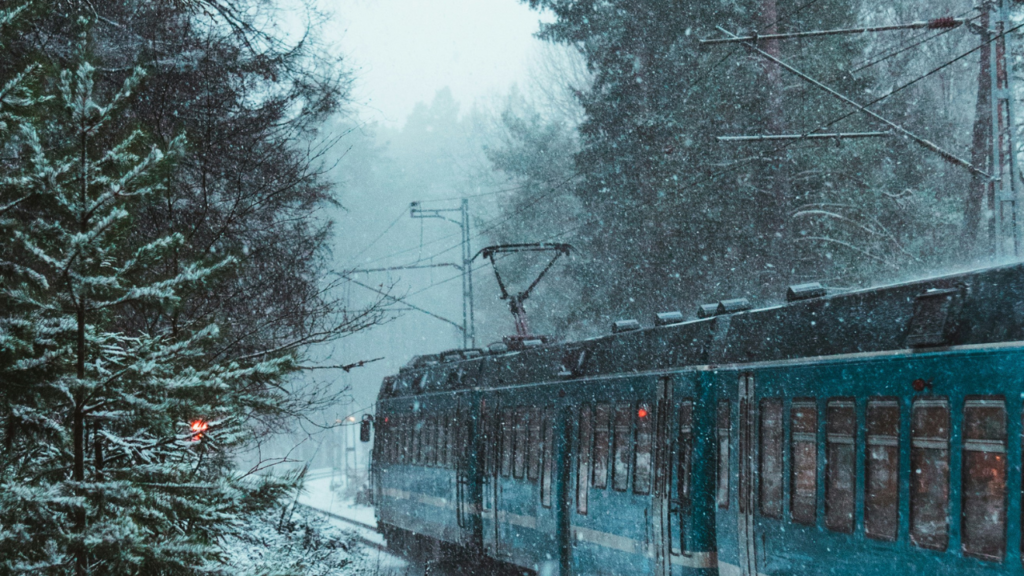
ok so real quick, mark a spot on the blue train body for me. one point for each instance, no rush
(867, 433)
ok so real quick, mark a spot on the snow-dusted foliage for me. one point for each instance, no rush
(114, 440)
(279, 543)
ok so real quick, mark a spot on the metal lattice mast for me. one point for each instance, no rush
(1004, 192)
(468, 331)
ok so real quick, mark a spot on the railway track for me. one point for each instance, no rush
(355, 523)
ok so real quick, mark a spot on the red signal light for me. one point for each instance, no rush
(198, 427)
(642, 413)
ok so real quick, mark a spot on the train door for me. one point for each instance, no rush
(491, 448)
(662, 493)
(467, 475)
(747, 441)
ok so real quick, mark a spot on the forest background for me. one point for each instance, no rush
(191, 199)
(611, 146)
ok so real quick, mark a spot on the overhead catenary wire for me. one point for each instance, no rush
(381, 235)
(911, 46)
(506, 217)
(919, 78)
(782, 146)
(945, 154)
(494, 223)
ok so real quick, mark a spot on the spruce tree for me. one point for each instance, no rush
(115, 455)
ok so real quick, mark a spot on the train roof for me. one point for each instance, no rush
(976, 307)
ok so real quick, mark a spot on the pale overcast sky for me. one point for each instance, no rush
(405, 50)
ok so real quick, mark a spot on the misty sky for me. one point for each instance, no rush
(405, 50)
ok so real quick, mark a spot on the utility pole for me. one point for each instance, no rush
(468, 329)
(996, 133)
(1003, 158)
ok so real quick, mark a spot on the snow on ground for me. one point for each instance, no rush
(318, 493)
(297, 541)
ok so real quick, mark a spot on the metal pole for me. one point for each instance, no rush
(934, 24)
(1003, 165)
(948, 156)
(467, 274)
(826, 136)
(468, 331)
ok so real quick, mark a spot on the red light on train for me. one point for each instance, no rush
(198, 427)
(642, 413)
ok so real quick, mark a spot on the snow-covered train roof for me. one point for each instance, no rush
(976, 307)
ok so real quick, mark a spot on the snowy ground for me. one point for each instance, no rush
(323, 491)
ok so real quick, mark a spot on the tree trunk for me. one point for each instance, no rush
(981, 150)
(78, 419)
(78, 432)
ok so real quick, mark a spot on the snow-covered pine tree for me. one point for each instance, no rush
(114, 454)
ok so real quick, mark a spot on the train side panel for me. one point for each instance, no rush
(892, 463)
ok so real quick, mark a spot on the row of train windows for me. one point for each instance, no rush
(983, 484)
(611, 438)
(519, 443)
(427, 440)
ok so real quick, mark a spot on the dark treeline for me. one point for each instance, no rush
(665, 217)
(163, 271)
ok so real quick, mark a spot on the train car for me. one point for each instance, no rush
(862, 433)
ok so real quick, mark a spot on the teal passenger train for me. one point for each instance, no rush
(865, 433)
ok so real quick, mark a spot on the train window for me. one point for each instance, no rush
(505, 433)
(771, 457)
(602, 438)
(881, 469)
(394, 439)
(685, 448)
(583, 466)
(417, 435)
(929, 473)
(522, 421)
(400, 437)
(644, 444)
(548, 466)
(984, 477)
(430, 442)
(410, 435)
(536, 445)
(444, 439)
(623, 441)
(840, 463)
(724, 412)
(427, 440)
(803, 415)
(487, 438)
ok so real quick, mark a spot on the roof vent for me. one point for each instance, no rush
(625, 326)
(666, 318)
(451, 355)
(497, 348)
(936, 317)
(532, 343)
(707, 310)
(805, 291)
(733, 306)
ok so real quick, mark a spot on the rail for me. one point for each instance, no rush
(355, 523)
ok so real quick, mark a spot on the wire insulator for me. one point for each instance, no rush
(940, 23)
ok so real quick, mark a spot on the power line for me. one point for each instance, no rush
(505, 217)
(899, 51)
(494, 223)
(375, 240)
(915, 80)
